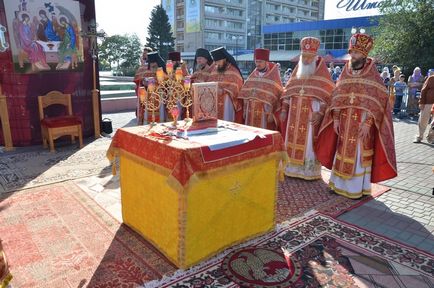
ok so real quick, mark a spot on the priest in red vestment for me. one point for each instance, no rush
(304, 101)
(175, 57)
(155, 62)
(230, 81)
(356, 139)
(202, 66)
(261, 92)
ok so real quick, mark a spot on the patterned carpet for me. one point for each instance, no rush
(56, 236)
(41, 167)
(315, 252)
(297, 196)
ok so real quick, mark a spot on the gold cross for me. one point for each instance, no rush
(355, 117)
(302, 129)
(294, 107)
(305, 108)
(235, 189)
(352, 140)
(352, 97)
(292, 126)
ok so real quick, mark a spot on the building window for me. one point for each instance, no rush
(213, 36)
(234, 25)
(234, 12)
(213, 9)
(180, 12)
(213, 23)
(179, 24)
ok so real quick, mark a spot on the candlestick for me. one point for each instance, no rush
(169, 67)
(142, 94)
(160, 75)
(178, 74)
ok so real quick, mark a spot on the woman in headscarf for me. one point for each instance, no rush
(415, 83)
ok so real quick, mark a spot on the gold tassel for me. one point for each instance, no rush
(114, 168)
(280, 171)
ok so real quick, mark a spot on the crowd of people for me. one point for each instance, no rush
(340, 118)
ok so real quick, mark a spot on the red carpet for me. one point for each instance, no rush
(318, 252)
(56, 236)
(297, 196)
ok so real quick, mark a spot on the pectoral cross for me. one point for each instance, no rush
(352, 97)
(355, 117)
(352, 140)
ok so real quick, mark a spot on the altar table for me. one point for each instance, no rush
(191, 200)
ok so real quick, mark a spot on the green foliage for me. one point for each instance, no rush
(160, 37)
(405, 34)
(123, 51)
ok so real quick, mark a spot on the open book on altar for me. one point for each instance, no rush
(205, 101)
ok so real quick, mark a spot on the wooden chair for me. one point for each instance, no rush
(55, 127)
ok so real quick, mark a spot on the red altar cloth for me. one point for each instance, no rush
(184, 158)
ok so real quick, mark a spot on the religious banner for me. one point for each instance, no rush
(205, 100)
(169, 6)
(45, 35)
(192, 19)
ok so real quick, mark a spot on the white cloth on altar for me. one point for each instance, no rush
(223, 138)
(312, 167)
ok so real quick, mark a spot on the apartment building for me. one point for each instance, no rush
(235, 24)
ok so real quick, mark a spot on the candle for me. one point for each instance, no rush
(142, 94)
(178, 74)
(169, 67)
(160, 74)
(187, 83)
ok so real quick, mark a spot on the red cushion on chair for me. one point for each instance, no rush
(62, 121)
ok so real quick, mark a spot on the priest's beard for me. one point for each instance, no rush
(222, 68)
(357, 64)
(200, 67)
(305, 70)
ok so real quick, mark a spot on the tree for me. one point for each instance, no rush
(159, 30)
(122, 50)
(405, 34)
(112, 49)
(131, 57)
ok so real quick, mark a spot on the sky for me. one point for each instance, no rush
(125, 16)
